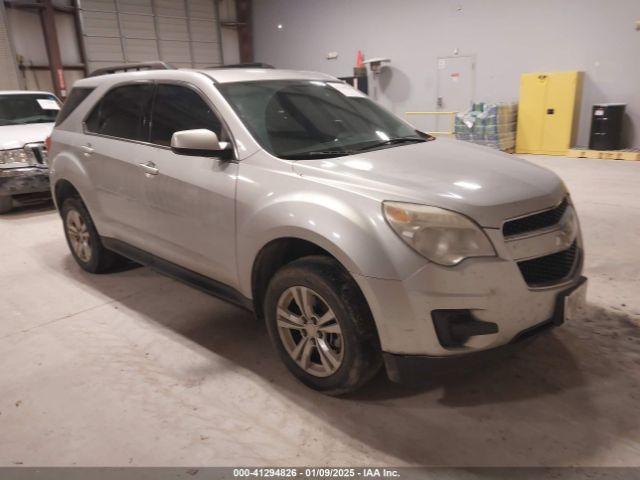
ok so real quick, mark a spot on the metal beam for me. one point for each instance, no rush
(26, 4)
(77, 21)
(78, 67)
(47, 17)
(245, 30)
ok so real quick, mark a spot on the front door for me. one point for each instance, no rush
(191, 200)
(455, 88)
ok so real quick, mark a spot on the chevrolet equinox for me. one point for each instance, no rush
(360, 240)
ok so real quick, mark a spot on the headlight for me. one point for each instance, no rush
(442, 236)
(17, 155)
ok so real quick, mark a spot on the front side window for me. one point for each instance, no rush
(179, 108)
(20, 109)
(121, 112)
(310, 119)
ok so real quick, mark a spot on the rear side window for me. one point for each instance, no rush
(180, 108)
(74, 99)
(121, 112)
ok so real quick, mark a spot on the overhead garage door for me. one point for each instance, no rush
(185, 33)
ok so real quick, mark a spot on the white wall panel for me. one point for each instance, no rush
(206, 53)
(99, 5)
(184, 32)
(104, 49)
(170, 8)
(101, 24)
(135, 6)
(172, 28)
(203, 30)
(138, 50)
(201, 9)
(137, 26)
(9, 76)
(175, 52)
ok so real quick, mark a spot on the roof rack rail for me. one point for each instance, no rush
(127, 67)
(244, 65)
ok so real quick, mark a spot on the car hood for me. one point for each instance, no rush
(484, 184)
(15, 136)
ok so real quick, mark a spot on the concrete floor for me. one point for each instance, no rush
(133, 368)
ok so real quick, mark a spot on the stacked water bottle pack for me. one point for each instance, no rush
(490, 124)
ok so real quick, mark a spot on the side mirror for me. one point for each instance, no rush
(200, 142)
(424, 135)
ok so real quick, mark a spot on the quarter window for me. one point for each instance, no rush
(75, 98)
(122, 112)
(180, 108)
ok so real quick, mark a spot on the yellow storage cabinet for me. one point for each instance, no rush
(547, 112)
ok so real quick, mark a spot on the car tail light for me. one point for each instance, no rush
(47, 143)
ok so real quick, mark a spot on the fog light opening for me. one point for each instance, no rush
(454, 328)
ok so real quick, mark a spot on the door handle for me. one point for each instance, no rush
(149, 168)
(87, 149)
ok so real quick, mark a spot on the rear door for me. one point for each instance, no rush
(191, 200)
(111, 150)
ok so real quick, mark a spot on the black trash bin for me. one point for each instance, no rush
(606, 126)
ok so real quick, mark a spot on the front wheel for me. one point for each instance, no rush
(321, 325)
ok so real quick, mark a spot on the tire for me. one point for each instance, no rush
(84, 242)
(6, 203)
(338, 323)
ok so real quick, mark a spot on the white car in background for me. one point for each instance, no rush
(26, 120)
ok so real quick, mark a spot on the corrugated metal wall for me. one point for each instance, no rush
(185, 33)
(8, 67)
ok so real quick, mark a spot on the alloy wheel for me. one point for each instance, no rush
(79, 236)
(310, 331)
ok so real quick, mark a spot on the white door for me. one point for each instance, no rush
(456, 80)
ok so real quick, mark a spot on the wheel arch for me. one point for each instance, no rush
(276, 254)
(62, 190)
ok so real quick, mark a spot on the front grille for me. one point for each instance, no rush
(39, 152)
(550, 269)
(536, 221)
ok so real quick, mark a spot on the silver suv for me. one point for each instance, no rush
(360, 240)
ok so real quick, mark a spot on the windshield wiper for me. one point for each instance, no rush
(315, 154)
(340, 153)
(391, 141)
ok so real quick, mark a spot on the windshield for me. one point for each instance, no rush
(28, 108)
(299, 119)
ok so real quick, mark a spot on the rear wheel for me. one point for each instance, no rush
(6, 203)
(83, 239)
(321, 325)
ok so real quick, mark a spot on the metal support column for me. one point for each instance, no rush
(245, 30)
(53, 48)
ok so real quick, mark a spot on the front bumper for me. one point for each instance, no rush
(414, 368)
(491, 289)
(21, 180)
